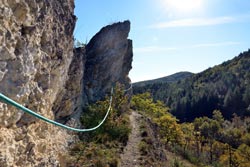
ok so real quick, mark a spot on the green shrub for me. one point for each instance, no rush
(102, 147)
(143, 147)
(116, 127)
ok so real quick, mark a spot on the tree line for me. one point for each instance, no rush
(225, 87)
(204, 141)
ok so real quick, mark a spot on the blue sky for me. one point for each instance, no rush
(170, 36)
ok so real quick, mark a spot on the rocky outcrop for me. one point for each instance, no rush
(40, 70)
(94, 70)
(109, 57)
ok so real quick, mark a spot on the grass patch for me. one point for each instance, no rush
(95, 154)
(176, 163)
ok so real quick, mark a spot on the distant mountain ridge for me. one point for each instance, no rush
(167, 79)
(225, 87)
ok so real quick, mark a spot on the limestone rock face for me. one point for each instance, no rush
(36, 48)
(108, 60)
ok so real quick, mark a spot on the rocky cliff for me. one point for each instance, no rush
(40, 69)
(109, 57)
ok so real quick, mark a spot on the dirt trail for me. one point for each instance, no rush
(154, 153)
(131, 154)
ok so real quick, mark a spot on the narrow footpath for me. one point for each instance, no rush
(153, 153)
(131, 154)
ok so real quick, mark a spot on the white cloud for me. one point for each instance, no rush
(195, 22)
(226, 43)
(150, 49)
(155, 49)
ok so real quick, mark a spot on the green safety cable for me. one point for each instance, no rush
(131, 86)
(19, 106)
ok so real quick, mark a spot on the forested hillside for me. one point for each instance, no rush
(203, 142)
(225, 87)
(168, 79)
